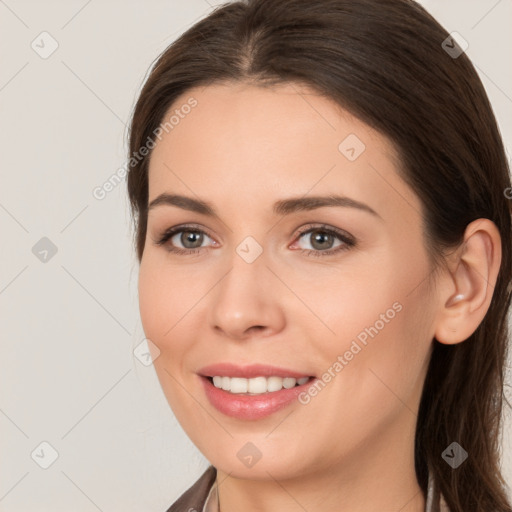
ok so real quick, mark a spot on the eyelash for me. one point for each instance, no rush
(348, 241)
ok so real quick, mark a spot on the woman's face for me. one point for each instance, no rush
(338, 291)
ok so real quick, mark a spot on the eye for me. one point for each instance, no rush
(323, 240)
(190, 238)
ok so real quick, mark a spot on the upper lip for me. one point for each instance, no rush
(253, 370)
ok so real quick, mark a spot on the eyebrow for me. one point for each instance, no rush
(282, 207)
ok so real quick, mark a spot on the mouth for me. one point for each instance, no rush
(256, 397)
(254, 391)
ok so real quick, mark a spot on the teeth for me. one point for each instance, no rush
(256, 385)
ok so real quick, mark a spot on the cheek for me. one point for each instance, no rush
(151, 301)
(380, 378)
(382, 325)
(347, 301)
(164, 298)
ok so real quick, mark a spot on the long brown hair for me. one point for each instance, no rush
(385, 62)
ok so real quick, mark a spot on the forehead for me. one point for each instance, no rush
(285, 119)
(271, 141)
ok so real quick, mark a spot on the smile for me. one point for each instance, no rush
(258, 405)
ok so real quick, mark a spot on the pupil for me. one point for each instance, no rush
(321, 237)
(192, 237)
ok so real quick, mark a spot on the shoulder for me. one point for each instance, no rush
(194, 497)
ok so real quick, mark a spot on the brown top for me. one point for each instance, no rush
(202, 496)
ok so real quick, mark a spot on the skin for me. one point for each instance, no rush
(242, 148)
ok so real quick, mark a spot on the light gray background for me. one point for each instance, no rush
(68, 326)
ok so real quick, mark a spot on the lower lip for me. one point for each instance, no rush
(251, 407)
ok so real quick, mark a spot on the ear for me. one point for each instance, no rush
(466, 291)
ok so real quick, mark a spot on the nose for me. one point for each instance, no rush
(246, 302)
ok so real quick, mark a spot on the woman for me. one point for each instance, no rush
(319, 191)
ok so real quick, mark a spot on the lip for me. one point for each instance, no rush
(247, 372)
(251, 407)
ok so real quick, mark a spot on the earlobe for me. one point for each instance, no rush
(476, 265)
